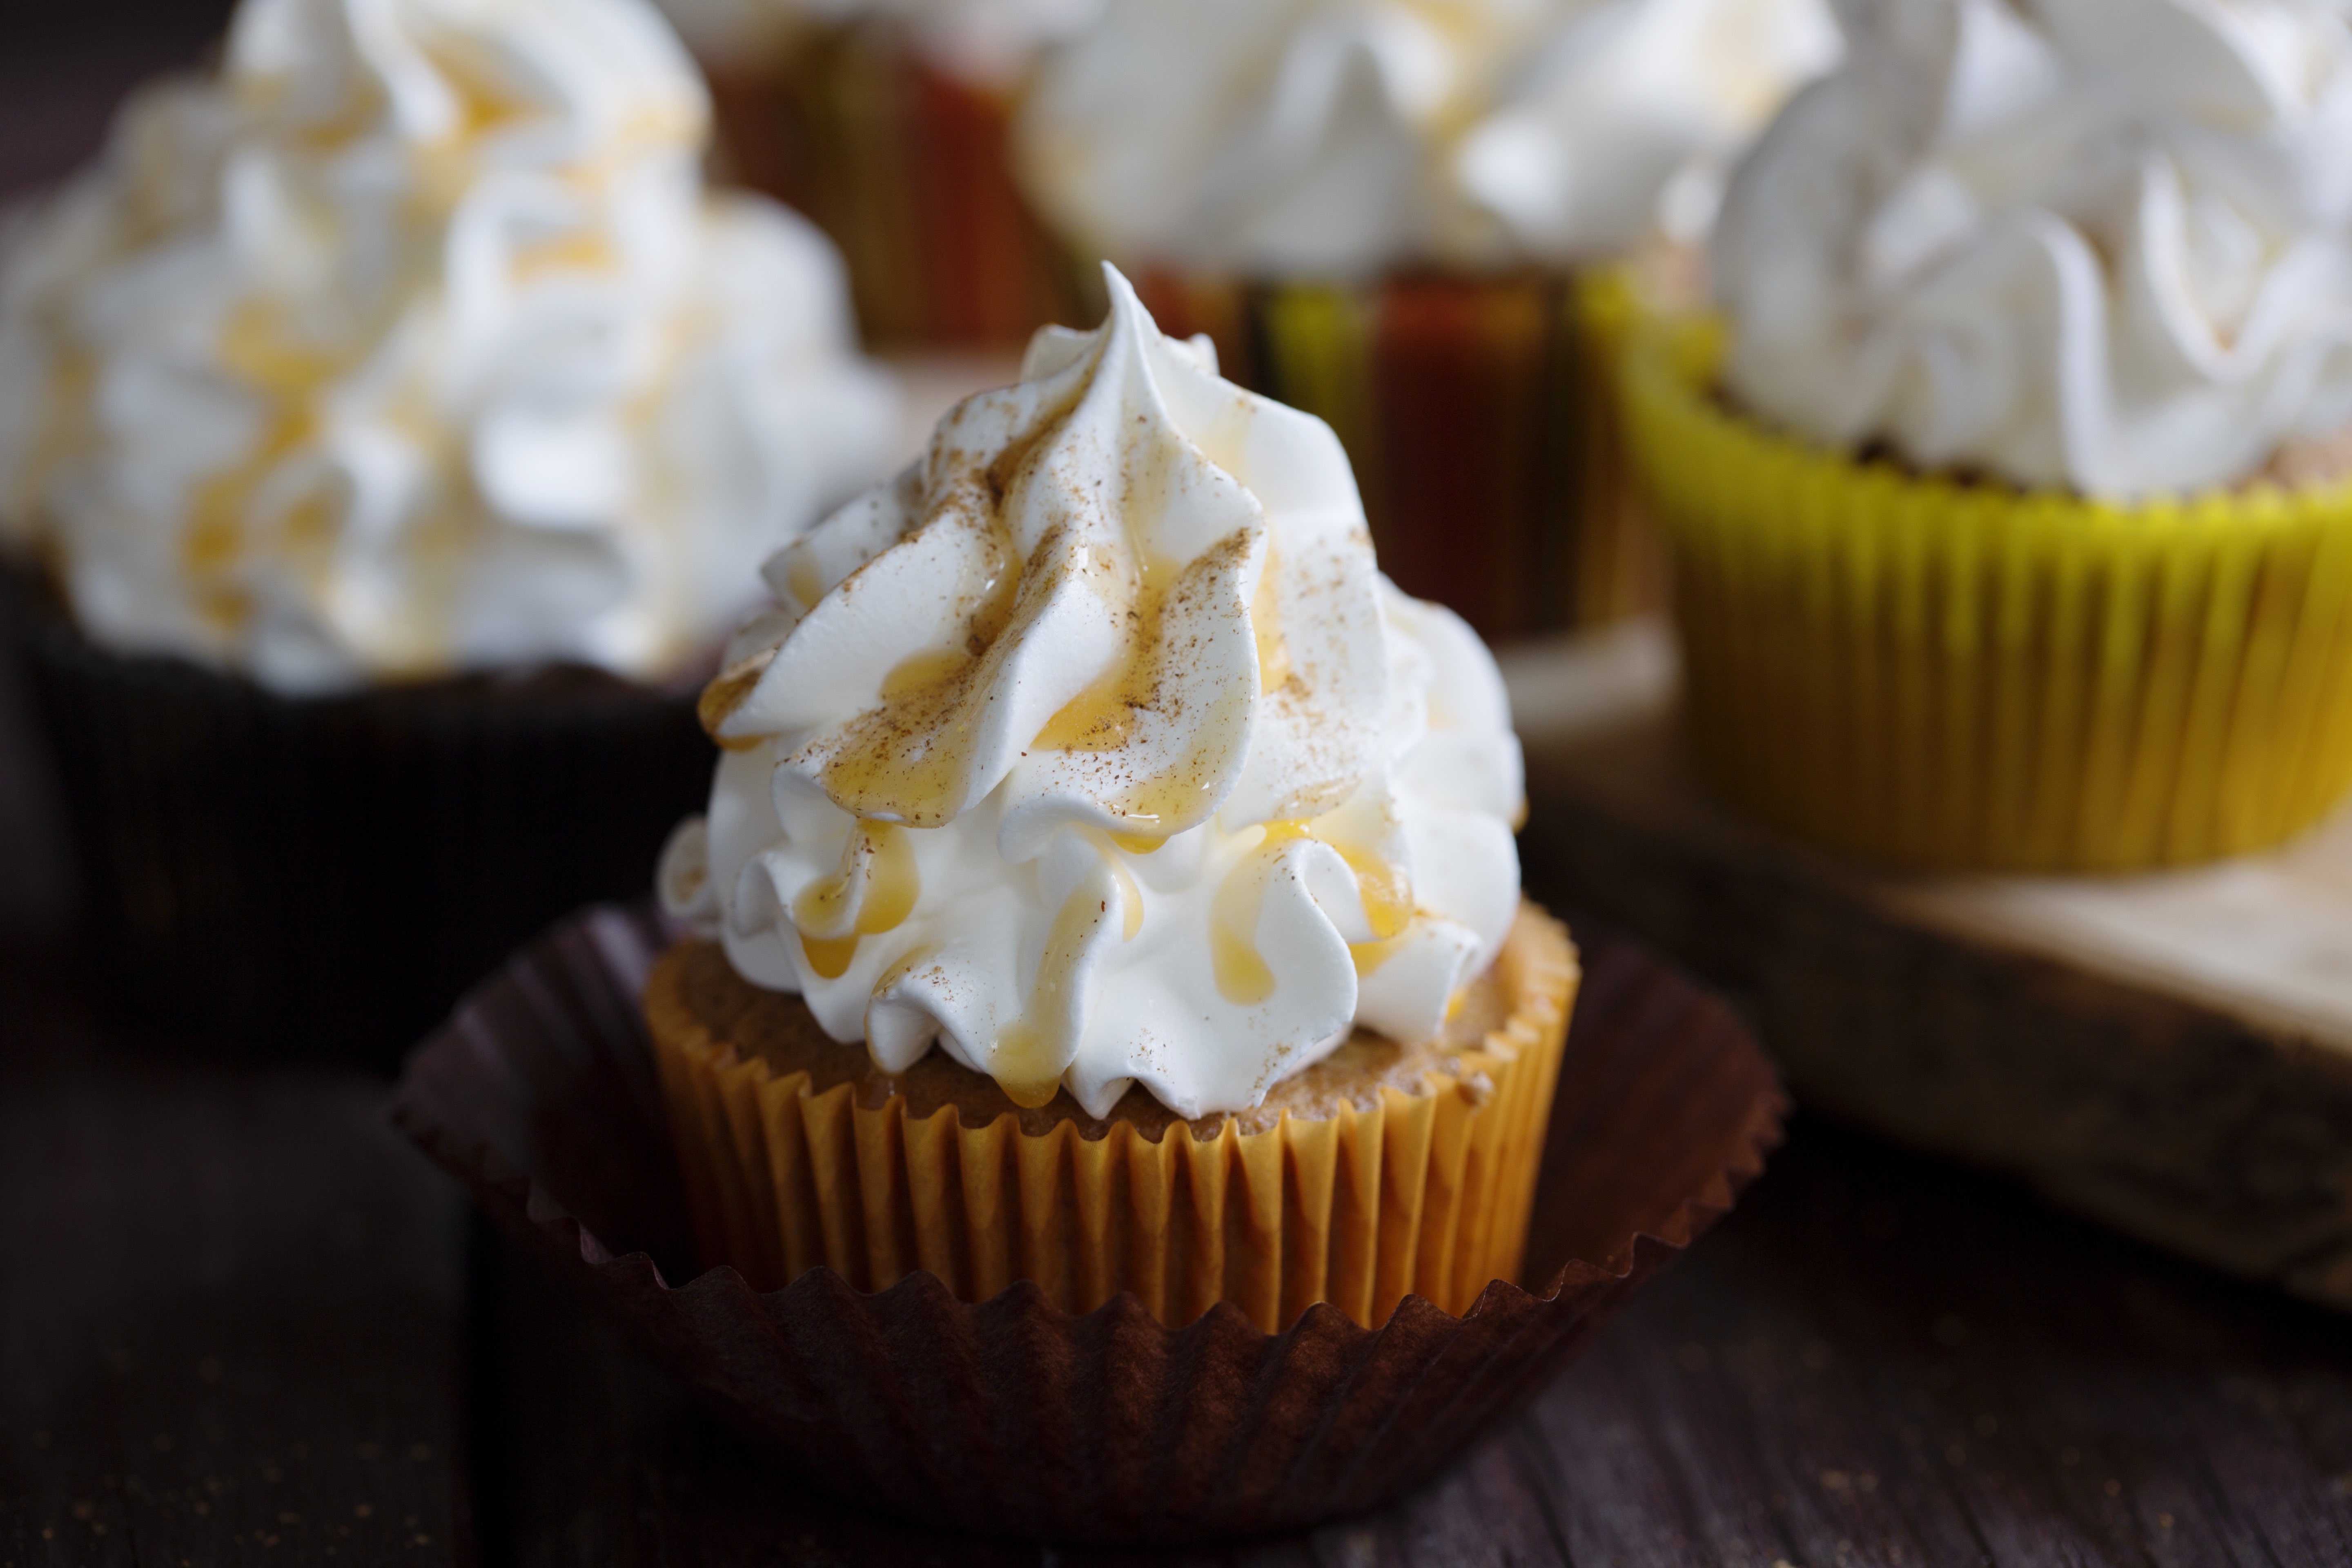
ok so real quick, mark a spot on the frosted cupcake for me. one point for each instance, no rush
(885, 121)
(1407, 219)
(389, 424)
(2008, 506)
(1109, 878)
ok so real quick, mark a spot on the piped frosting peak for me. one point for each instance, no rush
(1096, 748)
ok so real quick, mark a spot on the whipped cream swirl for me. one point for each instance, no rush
(412, 344)
(987, 43)
(1306, 137)
(2095, 244)
(1096, 750)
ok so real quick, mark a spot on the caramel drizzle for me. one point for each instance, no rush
(829, 927)
(1243, 977)
(1033, 1049)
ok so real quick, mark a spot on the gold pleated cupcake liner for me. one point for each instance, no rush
(1429, 1193)
(1480, 415)
(1958, 674)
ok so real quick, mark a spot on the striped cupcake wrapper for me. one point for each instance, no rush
(907, 170)
(1481, 415)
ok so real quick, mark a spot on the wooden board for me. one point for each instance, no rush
(2171, 1054)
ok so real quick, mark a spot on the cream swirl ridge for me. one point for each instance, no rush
(412, 344)
(2102, 245)
(1348, 136)
(986, 43)
(1096, 748)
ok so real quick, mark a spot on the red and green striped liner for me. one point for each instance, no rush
(907, 170)
(1481, 415)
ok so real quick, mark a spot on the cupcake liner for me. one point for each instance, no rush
(1428, 1194)
(1480, 413)
(907, 170)
(1013, 1416)
(323, 877)
(1961, 675)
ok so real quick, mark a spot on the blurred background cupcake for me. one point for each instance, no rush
(885, 120)
(1410, 219)
(2011, 508)
(389, 423)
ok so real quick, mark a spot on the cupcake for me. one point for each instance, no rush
(390, 423)
(885, 121)
(1421, 223)
(2008, 498)
(1109, 880)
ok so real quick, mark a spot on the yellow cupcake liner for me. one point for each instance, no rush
(1430, 1194)
(1480, 416)
(1959, 675)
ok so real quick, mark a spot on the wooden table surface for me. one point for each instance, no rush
(240, 1322)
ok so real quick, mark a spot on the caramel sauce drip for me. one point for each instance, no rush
(727, 690)
(1130, 896)
(910, 758)
(1137, 843)
(1387, 895)
(1243, 977)
(1102, 718)
(1032, 1049)
(920, 672)
(829, 930)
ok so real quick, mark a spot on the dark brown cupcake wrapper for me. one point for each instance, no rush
(323, 877)
(1010, 1416)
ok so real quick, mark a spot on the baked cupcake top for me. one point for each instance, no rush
(1343, 137)
(410, 344)
(1095, 750)
(2089, 244)
(988, 43)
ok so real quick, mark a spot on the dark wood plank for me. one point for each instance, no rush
(1878, 1360)
(230, 1306)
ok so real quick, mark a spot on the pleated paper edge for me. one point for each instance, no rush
(871, 1190)
(520, 1199)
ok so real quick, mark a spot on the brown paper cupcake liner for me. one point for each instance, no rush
(1425, 1193)
(322, 878)
(1013, 1416)
(905, 169)
(1959, 675)
(1480, 413)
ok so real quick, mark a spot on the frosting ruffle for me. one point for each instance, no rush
(988, 43)
(1348, 136)
(2101, 246)
(1096, 749)
(412, 344)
